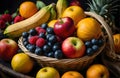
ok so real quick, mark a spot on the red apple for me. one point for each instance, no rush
(73, 47)
(64, 27)
(74, 3)
(8, 48)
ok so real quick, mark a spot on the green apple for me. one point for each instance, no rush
(47, 72)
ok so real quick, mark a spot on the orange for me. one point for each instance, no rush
(72, 74)
(51, 23)
(75, 12)
(22, 63)
(88, 28)
(27, 9)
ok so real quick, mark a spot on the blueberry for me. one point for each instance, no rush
(95, 47)
(44, 26)
(58, 54)
(46, 48)
(2, 35)
(32, 32)
(31, 48)
(48, 35)
(56, 47)
(25, 43)
(42, 35)
(50, 30)
(52, 39)
(89, 51)
(38, 51)
(25, 39)
(25, 34)
(50, 54)
(100, 42)
(88, 44)
(50, 44)
(94, 41)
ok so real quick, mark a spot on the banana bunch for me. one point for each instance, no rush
(61, 5)
(16, 29)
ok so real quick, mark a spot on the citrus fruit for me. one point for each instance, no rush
(27, 9)
(51, 23)
(72, 74)
(22, 63)
(75, 12)
(88, 28)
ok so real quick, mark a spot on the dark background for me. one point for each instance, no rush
(12, 5)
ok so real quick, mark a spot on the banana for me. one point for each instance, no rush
(61, 5)
(53, 13)
(42, 16)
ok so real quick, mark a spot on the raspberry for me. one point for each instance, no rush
(6, 17)
(18, 18)
(40, 42)
(33, 39)
(40, 30)
(2, 24)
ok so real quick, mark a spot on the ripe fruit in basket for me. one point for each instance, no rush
(8, 48)
(64, 27)
(22, 63)
(74, 3)
(51, 23)
(6, 17)
(97, 71)
(116, 38)
(88, 28)
(27, 9)
(48, 72)
(72, 74)
(74, 12)
(18, 18)
(73, 47)
(2, 24)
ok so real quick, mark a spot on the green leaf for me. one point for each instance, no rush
(40, 4)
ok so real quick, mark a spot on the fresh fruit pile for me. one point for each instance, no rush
(56, 30)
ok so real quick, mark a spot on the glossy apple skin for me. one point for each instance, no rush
(64, 27)
(97, 71)
(73, 47)
(8, 48)
(48, 72)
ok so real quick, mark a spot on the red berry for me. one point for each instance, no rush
(2, 24)
(40, 30)
(18, 19)
(6, 17)
(33, 39)
(40, 42)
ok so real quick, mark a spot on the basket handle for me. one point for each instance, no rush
(106, 27)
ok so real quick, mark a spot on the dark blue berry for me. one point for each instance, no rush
(25, 34)
(58, 54)
(25, 43)
(52, 39)
(88, 44)
(50, 30)
(48, 35)
(31, 48)
(95, 47)
(32, 32)
(44, 26)
(42, 35)
(100, 42)
(50, 54)
(46, 48)
(94, 41)
(56, 47)
(89, 51)
(38, 51)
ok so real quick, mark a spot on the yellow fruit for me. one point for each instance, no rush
(75, 12)
(51, 23)
(22, 63)
(88, 28)
(116, 38)
(27, 9)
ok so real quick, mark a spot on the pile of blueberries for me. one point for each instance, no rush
(52, 46)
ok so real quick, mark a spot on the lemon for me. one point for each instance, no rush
(22, 63)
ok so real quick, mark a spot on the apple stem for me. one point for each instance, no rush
(61, 21)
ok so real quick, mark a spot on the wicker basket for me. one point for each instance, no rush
(67, 64)
(110, 58)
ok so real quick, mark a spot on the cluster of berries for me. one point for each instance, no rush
(43, 41)
(7, 19)
(93, 45)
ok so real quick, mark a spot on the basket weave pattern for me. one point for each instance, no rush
(67, 64)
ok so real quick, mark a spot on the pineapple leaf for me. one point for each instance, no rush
(103, 10)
